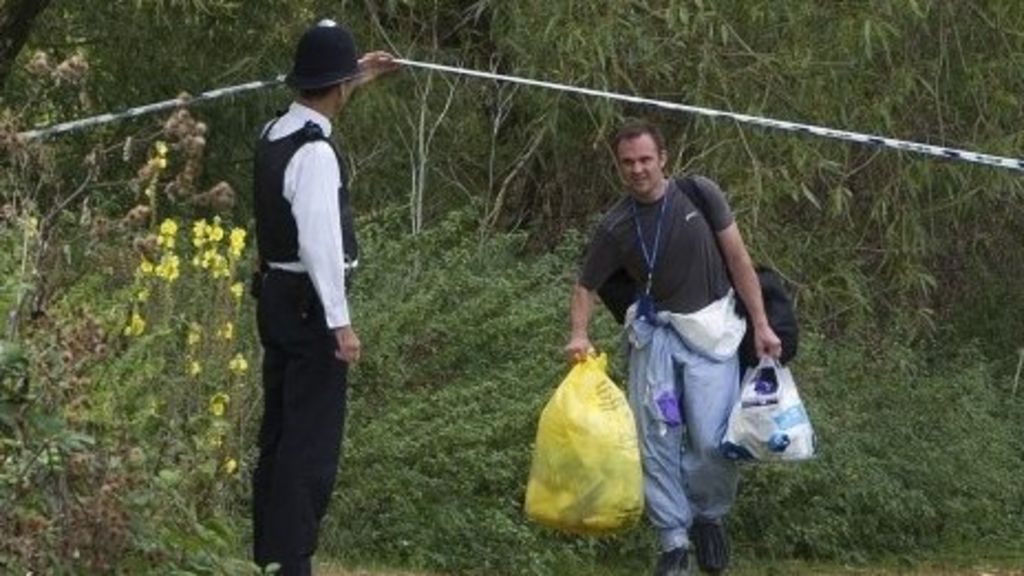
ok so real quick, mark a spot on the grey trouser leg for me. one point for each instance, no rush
(684, 475)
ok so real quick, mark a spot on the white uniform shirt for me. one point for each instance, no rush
(311, 182)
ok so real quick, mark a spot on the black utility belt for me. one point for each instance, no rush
(285, 271)
(289, 277)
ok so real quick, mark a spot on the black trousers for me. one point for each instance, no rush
(304, 392)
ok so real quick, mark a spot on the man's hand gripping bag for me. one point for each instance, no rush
(586, 476)
(769, 422)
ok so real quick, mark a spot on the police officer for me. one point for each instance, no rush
(307, 247)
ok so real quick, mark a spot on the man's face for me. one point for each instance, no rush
(641, 166)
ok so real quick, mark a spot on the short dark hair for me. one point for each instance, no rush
(635, 128)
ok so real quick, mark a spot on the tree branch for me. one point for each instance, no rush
(16, 19)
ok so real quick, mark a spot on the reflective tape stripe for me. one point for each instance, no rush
(954, 154)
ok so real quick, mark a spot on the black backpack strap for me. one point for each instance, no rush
(688, 186)
(778, 304)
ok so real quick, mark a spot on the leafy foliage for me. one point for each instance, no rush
(473, 195)
(444, 412)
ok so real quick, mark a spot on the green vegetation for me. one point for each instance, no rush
(128, 407)
(898, 473)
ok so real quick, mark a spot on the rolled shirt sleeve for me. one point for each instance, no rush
(312, 179)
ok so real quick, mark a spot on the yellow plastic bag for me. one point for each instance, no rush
(586, 477)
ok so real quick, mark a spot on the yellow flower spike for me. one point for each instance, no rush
(169, 268)
(221, 270)
(237, 242)
(165, 242)
(207, 258)
(31, 225)
(161, 148)
(238, 365)
(216, 263)
(219, 404)
(168, 227)
(195, 334)
(163, 271)
(146, 267)
(216, 233)
(161, 163)
(229, 467)
(199, 233)
(195, 368)
(237, 289)
(136, 325)
(227, 332)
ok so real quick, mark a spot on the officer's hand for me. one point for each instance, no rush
(578, 348)
(349, 348)
(374, 64)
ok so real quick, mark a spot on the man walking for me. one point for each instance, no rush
(683, 333)
(306, 247)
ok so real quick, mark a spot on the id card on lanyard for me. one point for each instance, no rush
(645, 303)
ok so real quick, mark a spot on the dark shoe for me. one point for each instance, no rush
(675, 562)
(712, 545)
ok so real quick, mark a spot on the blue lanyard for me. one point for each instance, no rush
(650, 258)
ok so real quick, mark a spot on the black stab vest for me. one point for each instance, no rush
(277, 235)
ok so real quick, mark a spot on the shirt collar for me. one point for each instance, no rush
(305, 113)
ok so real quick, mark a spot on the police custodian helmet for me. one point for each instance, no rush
(326, 55)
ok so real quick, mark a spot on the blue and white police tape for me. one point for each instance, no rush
(74, 125)
(940, 151)
(954, 154)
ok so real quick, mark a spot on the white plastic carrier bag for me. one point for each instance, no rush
(769, 422)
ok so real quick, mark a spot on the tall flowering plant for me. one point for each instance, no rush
(187, 287)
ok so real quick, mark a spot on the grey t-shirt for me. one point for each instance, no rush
(689, 273)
